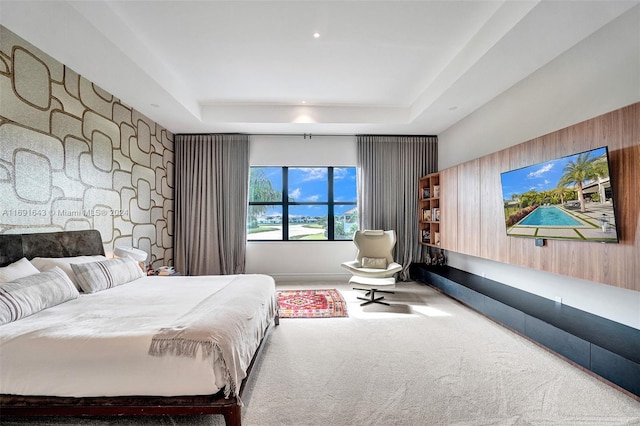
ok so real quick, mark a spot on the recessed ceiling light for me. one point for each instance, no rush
(316, 35)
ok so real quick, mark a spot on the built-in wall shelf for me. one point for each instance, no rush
(429, 210)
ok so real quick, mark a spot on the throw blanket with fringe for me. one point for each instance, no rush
(226, 323)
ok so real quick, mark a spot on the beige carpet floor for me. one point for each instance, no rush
(425, 360)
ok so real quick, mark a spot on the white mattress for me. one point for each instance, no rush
(97, 345)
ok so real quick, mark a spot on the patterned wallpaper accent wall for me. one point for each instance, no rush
(72, 156)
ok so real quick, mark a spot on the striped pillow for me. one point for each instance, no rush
(64, 263)
(97, 276)
(27, 295)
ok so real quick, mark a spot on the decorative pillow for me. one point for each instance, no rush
(18, 269)
(27, 295)
(97, 276)
(64, 263)
(374, 262)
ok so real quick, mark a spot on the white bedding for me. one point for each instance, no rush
(98, 344)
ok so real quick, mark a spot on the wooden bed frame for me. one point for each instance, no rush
(14, 247)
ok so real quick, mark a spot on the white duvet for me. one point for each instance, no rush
(98, 344)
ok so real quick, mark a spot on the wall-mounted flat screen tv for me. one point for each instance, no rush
(569, 198)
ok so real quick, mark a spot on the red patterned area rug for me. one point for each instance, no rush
(311, 304)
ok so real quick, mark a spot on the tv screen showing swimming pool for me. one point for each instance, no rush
(569, 198)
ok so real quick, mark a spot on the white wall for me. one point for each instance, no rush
(301, 260)
(599, 75)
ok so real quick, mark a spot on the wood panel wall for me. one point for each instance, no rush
(469, 200)
(449, 209)
(490, 189)
(473, 221)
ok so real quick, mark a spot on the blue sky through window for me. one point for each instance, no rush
(344, 184)
(310, 184)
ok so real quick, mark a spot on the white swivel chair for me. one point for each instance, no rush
(374, 268)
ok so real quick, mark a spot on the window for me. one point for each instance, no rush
(302, 203)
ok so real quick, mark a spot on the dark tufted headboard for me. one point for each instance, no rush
(14, 247)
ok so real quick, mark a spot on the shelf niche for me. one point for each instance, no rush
(429, 218)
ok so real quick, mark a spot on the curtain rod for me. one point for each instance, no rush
(304, 135)
(310, 135)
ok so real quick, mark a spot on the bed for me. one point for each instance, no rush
(148, 346)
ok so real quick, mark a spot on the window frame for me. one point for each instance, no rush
(285, 203)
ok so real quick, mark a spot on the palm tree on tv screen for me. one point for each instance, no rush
(601, 172)
(576, 172)
(561, 192)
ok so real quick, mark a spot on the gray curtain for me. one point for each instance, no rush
(211, 190)
(388, 171)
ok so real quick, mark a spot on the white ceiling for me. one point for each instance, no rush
(386, 67)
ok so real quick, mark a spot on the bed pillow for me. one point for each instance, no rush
(97, 276)
(18, 269)
(374, 262)
(64, 263)
(31, 294)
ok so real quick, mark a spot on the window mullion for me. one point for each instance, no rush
(285, 203)
(330, 212)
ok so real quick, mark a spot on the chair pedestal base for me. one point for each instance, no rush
(371, 286)
(373, 298)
